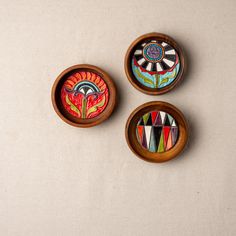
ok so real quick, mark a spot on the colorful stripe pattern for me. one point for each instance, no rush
(84, 94)
(157, 131)
(155, 64)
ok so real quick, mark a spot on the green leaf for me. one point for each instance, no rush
(95, 107)
(145, 79)
(72, 106)
(165, 80)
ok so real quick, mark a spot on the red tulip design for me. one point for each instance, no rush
(84, 94)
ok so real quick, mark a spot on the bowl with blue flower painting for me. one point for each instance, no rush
(154, 63)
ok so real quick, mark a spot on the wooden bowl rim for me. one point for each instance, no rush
(132, 78)
(79, 122)
(131, 138)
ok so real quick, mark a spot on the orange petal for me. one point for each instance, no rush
(72, 78)
(93, 77)
(71, 83)
(88, 76)
(97, 80)
(103, 87)
(100, 83)
(78, 77)
(83, 74)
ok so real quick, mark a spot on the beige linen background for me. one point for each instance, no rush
(59, 180)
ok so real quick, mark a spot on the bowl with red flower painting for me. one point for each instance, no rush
(156, 131)
(83, 95)
(154, 63)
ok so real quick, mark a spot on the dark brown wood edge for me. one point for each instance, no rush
(128, 69)
(78, 122)
(131, 138)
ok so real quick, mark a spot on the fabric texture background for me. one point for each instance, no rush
(60, 180)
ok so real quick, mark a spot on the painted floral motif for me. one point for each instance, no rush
(155, 64)
(84, 94)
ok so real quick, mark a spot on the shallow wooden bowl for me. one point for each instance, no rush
(131, 132)
(67, 114)
(145, 39)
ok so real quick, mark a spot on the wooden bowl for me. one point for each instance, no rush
(154, 63)
(156, 131)
(83, 95)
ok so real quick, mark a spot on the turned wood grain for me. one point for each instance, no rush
(64, 114)
(135, 146)
(128, 66)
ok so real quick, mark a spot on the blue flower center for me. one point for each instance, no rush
(153, 52)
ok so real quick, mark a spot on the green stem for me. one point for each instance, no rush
(157, 80)
(84, 106)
